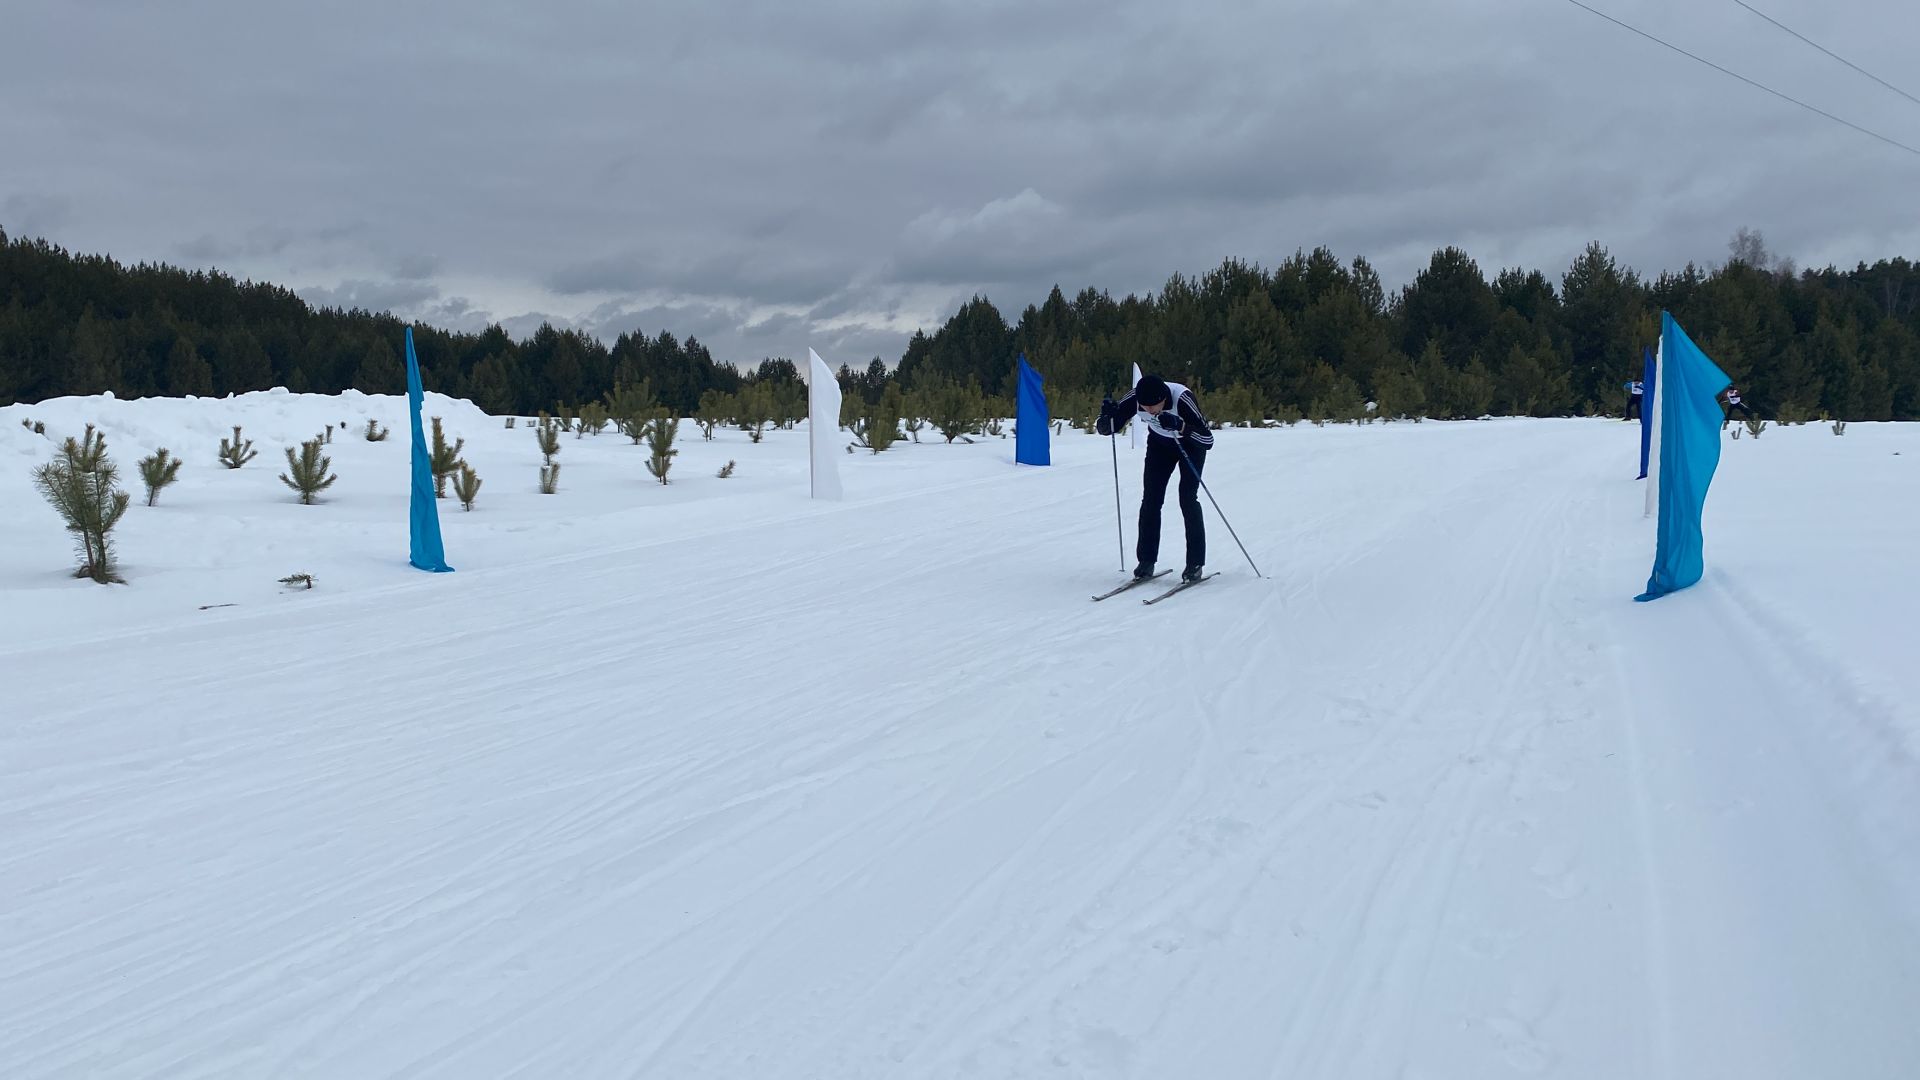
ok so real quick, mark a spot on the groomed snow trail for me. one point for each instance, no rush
(876, 791)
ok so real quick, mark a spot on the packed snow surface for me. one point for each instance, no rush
(712, 780)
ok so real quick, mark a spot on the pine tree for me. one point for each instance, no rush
(80, 484)
(491, 384)
(239, 363)
(955, 410)
(309, 471)
(629, 405)
(881, 426)
(380, 371)
(466, 486)
(716, 407)
(754, 410)
(158, 470)
(238, 452)
(188, 373)
(443, 460)
(1398, 393)
(95, 363)
(660, 434)
(1525, 387)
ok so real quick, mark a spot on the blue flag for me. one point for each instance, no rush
(1690, 385)
(1032, 425)
(424, 550)
(1647, 372)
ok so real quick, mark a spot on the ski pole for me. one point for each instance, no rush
(1216, 505)
(1118, 532)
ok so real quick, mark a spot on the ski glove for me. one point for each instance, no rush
(1170, 420)
(1109, 421)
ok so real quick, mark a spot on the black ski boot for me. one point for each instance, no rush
(1143, 571)
(1190, 574)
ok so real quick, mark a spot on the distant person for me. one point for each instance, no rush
(1636, 394)
(1174, 423)
(1733, 403)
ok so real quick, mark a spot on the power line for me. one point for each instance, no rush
(1829, 52)
(1744, 79)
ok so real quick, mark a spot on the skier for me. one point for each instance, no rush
(1635, 396)
(1175, 423)
(1734, 402)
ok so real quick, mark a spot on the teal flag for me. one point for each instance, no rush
(1689, 435)
(424, 549)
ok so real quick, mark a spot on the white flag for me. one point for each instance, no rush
(823, 427)
(1139, 424)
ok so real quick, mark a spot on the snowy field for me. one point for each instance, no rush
(710, 780)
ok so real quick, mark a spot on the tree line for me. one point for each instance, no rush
(1313, 336)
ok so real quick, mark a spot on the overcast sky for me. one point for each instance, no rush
(835, 173)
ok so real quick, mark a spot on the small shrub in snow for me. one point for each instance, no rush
(443, 460)
(955, 409)
(307, 473)
(726, 470)
(593, 418)
(510, 423)
(547, 436)
(716, 408)
(1755, 426)
(298, 580)
(376, 433)
(629, 406)
(880, 428)
(1839, 427)
(35, 426)
(753, 410)
(158, 470)
(80, 485)
(660, 435)
(466, 486)
(237, 452)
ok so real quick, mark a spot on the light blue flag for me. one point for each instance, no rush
(1033, 427)
(1689, 391)
(424, 550)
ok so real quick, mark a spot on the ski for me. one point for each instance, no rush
(1131, 582)
(1178, 588)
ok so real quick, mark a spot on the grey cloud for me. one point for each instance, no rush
(521, 327)
(415, 267)
(767, 274)
(395, 296)
(34, 215)
(767, 176)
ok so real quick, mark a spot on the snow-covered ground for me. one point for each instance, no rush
(710, 780)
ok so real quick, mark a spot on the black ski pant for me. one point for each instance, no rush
(1633, 408)
(1739, 407)
(1162, 459)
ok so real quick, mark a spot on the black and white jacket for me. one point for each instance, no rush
(1194, 422)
